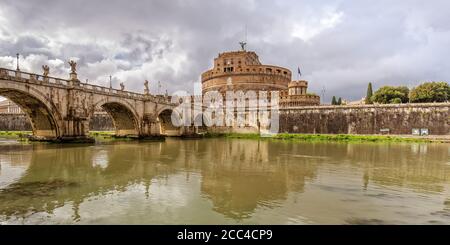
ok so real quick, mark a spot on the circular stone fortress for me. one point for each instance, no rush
(242, 70)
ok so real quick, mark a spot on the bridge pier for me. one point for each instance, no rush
(73, 139)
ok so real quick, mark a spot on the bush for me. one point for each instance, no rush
(430, 92)
(391, 95)
(396, 101)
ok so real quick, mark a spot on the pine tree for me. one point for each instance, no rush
(369, 94)
(339, 102)
(333, 101)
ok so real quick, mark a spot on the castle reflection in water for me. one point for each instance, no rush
(237, 177)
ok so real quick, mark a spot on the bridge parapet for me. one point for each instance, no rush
(32, 78)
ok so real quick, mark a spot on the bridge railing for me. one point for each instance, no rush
(32, 77)
(40, 79)
(110, 90)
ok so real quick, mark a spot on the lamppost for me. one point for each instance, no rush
(323, 95)
(17, 56)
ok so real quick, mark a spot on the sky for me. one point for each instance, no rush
(339, 45)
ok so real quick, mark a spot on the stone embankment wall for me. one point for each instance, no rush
(14, 122)
(20, 122)
(366, 119)
(101, 122)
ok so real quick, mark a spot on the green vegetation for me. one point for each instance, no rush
(334, 101)
(339, 102)
(369, 94)
(21, 135)
(347, 138)
(101, 133)
(322, 137)
(430, 92)
(391, 95)
(109, 136)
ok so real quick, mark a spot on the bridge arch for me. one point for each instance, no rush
(165, 122)
(124, 116)
(45, 118)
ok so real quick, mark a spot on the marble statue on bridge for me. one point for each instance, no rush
(73, 66)
(146, 90)
(46, 70)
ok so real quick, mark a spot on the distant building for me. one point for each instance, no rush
(7, 106)
(357, 102)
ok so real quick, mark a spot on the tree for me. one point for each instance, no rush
(339, 102)
(391, 95)
(369, 94)
(430, 92)
(333, 101)
(396, 101)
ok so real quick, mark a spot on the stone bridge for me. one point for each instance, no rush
(60, 109)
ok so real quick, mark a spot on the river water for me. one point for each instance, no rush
(224, 181)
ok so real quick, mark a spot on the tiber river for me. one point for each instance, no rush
(225, 181)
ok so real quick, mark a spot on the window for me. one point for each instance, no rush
(228, 69)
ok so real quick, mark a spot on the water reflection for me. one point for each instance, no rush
(224, 181)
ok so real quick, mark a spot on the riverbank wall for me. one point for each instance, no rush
(14, 122)
(367, 119)
(101, 122)
(20, 122)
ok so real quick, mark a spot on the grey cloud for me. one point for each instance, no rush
(384, 42)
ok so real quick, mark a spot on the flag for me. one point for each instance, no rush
(299, 72)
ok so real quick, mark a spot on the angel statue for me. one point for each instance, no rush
(122, 87)
(73, 66)
(146, 90)
(46, 70)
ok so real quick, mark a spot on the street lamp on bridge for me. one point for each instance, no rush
(17, 56)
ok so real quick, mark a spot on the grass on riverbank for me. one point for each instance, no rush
(109, 135)
(324, 137)
(15, 134)
(101, 133)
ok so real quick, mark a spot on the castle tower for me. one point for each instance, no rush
(298, 87)
(242, 70)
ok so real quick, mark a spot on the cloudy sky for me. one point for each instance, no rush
(339, 45)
